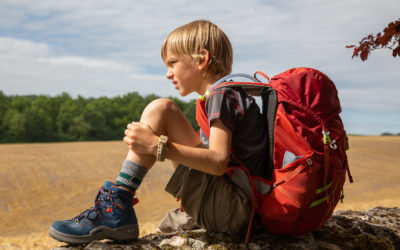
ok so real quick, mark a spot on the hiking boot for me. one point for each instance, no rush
(111, 217)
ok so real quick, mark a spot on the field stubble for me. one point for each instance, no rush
(55, 181)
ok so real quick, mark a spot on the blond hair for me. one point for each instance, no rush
(191, 38)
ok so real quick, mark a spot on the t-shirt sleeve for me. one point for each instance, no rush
(225, 104)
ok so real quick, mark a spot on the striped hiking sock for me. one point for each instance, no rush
(131, 175)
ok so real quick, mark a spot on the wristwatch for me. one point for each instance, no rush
(162, 147)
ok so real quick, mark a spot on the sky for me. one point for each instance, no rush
(96, 48)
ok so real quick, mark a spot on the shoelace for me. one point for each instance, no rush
(103, 197)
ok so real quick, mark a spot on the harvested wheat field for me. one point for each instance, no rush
(55, 181)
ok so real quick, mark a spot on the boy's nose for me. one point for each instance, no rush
(169, 75)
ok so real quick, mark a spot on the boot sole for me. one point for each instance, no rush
(125, 233)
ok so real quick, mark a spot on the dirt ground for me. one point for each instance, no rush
(56, 181)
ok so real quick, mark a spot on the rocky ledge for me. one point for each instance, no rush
(377, 228)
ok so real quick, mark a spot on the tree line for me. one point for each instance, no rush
(42, 118)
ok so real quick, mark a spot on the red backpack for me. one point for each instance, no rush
(307, 151)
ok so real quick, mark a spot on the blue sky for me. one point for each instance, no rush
(98, 48)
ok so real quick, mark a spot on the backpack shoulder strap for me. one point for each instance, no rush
(269, 107)
(236, 75)
(253, 87)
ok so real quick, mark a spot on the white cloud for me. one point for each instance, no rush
(17, 47)
(374, 99)
(31, 68)
(84, 62)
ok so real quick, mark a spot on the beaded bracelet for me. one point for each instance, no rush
(162, 147)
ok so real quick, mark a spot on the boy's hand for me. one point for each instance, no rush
(141, 139)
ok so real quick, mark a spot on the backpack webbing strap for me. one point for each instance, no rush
(327, 141)
(253, 205)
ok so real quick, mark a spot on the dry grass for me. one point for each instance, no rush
(46, 182)
(375, 165)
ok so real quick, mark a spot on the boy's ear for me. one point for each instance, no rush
(204, 59)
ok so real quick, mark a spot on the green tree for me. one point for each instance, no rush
(14, 125)
(62, 118)
(190, 114)
(68, 110)
(4, 104)
(47, 109)
(131, 106)
(20, 103)
(38, 124)
(98, 114)
(79, 128)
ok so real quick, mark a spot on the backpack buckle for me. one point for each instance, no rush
(333, 144)
(326, 138)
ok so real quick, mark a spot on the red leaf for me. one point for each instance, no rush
(396, 52)
(371, 42)
(355, 53)
(364, 55)
(397, 23)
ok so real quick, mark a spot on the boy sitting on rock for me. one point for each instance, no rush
(196, 55)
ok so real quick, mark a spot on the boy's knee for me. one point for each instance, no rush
(161, 105)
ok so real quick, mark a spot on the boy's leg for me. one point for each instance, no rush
(165, 118)
(113, 215)
(213, 202)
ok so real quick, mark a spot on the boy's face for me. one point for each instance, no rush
(184, 73)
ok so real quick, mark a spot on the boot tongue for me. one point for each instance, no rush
(109, 184)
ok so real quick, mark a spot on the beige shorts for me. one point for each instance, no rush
(210, 202)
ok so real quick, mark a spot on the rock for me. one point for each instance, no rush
(182, 240)
(377, 228)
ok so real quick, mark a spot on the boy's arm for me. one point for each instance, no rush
(141, 139)
(213, 160)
